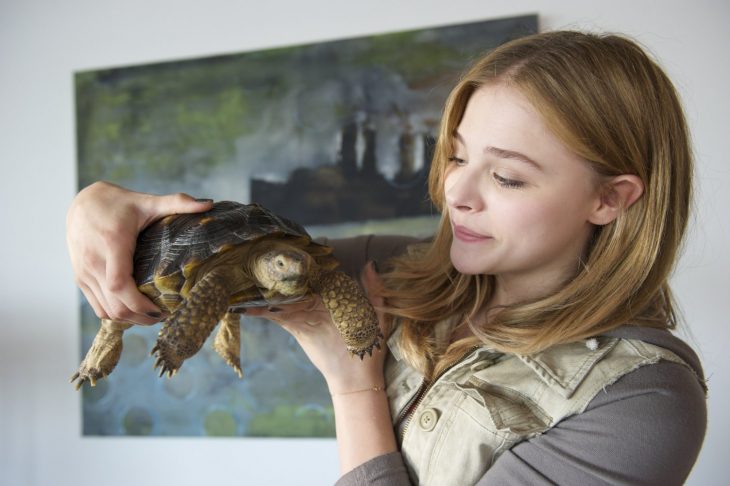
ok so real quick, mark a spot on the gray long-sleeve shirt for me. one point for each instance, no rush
(647, 428)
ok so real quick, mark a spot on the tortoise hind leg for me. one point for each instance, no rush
(186, 329)
(228, 341)
(351, 311)
(104, 353)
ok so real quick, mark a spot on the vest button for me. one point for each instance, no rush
(427, 420)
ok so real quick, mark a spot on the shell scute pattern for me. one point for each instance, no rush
(182, 242)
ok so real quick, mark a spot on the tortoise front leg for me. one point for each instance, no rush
(351, 311)
(228, 341)
(185, 330)
(104, 353)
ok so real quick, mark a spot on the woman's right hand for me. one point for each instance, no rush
(102, 225)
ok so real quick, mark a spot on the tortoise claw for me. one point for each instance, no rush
(165, 365)
(170, 372)
(369, 350)
(80, 382)
(84, 375)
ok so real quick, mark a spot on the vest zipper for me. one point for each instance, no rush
(406, 415)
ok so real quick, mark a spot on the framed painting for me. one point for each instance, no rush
(335, 135)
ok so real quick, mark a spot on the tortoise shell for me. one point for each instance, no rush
(171, 250)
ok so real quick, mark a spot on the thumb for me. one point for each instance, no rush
(372, 284)
(374, 288)
(156, 207)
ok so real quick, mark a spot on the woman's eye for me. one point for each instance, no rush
(457, 161)
(509, 183)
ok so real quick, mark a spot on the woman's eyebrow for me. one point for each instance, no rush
(502, 153)
(511, 154)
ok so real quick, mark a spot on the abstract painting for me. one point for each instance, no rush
(335, 135)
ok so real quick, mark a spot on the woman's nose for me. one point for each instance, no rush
(462, 191)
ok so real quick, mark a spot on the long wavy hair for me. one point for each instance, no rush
(611, 104)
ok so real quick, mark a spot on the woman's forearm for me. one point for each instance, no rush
(363, 426)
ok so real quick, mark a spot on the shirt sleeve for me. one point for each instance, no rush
(647, 428)
(385, 470)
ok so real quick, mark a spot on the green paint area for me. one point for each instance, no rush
(167, 122)
(137, 421)
(220, 423)
(293, 421)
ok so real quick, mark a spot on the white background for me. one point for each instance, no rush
(43, 42)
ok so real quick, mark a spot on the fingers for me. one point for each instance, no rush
(90, 294)
(277, 311)
(156, 207)
(120, 301)
(88, 266)
(296, 318)
(103, 222)
(124, 300)
(372, 284)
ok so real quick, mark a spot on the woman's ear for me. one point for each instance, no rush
(617, 194)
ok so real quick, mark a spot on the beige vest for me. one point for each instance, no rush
(490, 401)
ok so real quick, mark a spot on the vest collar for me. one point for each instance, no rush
(564, 367)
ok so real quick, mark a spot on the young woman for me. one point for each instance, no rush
(528, 341)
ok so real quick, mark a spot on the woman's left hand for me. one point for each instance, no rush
(311, 325)
(362, 416)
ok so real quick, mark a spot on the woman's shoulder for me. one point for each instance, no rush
(645, 428)
(667, 397)
(668, 389)
(664, 339)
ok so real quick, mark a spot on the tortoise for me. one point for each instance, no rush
(206, 268)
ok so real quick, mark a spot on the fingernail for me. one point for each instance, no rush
(376, 267)
(274, 309)
(154, 315)
(203, 200)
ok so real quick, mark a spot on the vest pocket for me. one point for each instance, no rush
(502, 409)
(483, 422)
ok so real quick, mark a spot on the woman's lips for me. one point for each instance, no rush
(464, 234)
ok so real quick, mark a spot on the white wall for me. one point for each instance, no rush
(43, 42)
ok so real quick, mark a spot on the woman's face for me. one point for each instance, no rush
(518, 199)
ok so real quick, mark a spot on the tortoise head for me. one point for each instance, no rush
(283, 268)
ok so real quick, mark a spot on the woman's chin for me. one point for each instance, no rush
(468, 266)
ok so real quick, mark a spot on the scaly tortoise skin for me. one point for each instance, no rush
(206, 268)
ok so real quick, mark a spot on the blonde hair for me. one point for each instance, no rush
(607, 101)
